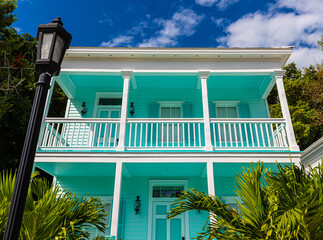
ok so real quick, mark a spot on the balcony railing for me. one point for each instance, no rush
(157, 133)
(86, 133)
(248, 133)
(163, 134)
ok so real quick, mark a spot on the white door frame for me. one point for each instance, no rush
(153, 183)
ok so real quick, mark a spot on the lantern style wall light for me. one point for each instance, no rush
(137, 205)
(132, 109)
(83, 109)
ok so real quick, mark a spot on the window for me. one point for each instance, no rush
(167, 191)
(227, 110)
(170, 112)
(169, 130)
(110, 101)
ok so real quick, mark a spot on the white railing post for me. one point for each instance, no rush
(285, 111)
(124, 110)
(206, 114)
(116, 200)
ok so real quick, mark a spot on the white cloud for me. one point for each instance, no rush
(205, 3)
(18, 29)
(119, 41)
(301, 28)
(221, 4)
(182, 23)
(303, 57)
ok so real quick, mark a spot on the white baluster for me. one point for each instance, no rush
(256, 126)
(194, 135)
(235, 133)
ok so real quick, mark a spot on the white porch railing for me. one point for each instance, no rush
(80, 133)
(162, 133)
(249, 133)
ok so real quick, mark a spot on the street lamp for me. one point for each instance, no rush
(53, 40)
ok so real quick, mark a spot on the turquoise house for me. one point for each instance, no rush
(142, 124)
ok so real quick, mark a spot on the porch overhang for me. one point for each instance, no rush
(104, 162)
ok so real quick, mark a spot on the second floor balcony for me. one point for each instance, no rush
(161, 134)
(165, 103)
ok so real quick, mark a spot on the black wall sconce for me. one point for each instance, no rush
(137, 205)
(83, 109)
(132, 109)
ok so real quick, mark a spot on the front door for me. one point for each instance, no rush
(164, 229)
(107, 133)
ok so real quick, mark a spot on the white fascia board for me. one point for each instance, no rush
(158, 157)
(282, 53)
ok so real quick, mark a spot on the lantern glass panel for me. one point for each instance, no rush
(58, 49)
(46, 44)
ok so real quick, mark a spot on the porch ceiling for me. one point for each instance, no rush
(69, 81)
(238, 82)
(77, 169)
(233, 169)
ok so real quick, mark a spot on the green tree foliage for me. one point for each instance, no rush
(305, 100)
(49, 213)
(287, 204)
(17, 86)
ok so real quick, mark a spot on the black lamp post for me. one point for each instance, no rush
(53, 40)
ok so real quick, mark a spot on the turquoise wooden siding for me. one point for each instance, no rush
(143, 98)
(135, 226)
(94, 186)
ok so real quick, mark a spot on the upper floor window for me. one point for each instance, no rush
(227, 109)
(171, 109)
(110, 101)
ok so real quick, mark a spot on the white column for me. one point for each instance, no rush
(116, 200)
(210, 178)
(285, 111)
(124, 109)
(210, 182)
(47, 104)
(206, 114)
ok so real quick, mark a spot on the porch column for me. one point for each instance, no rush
(124, 110)
(210, 178)
(206, 114)
(47, 104)
(285, 111)
(116, 200)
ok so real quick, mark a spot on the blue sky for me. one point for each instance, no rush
(183, 23)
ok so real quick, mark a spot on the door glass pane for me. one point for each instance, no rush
(161, 209)
(104, 114)
(176, 229)
(232, 112)
(115, 114)
(161, 229)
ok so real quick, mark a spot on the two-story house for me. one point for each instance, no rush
(142, 124)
